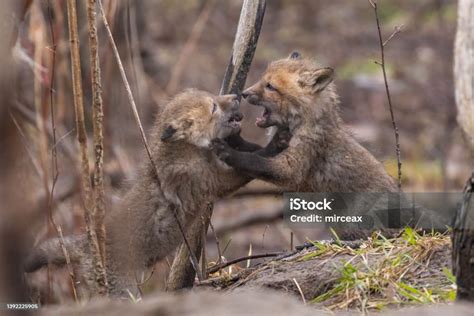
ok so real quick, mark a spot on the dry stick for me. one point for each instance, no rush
(54, 160)
(226, 246)
(193, 258)
(142, 132)
(203, 248)
(221, 266)
(373, 3)
(219, 253)
(189, 47)
(300, 290)
(127, 86)
(97, 117)
(99, 270)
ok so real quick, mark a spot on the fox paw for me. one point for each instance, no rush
(282, 139)
(220, 148)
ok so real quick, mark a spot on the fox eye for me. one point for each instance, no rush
(214, 107)
(270, 87)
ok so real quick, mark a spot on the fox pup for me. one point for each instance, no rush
(143, 229)
(323, 156)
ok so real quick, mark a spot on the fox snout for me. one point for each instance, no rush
(251, 96)
(228, 102)
(232, 106)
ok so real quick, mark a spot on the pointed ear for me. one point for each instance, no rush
(168, 133)
(317, 79)
(176, 130)
(294, 55)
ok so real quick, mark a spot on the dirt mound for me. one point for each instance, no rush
(376, 273)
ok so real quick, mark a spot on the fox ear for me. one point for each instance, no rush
(177, 130)
(317, 79)
(294, 55)
(168, 133)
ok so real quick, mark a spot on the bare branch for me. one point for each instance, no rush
(82, 138)
(387, 90)
(127, 85)
(221, 266)
(54, 160)
(300, 290)
(219, 253)
(97, 116)
(397, 29)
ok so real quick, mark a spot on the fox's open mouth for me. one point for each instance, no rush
(262, 120)
(265, 119)
(234, 121)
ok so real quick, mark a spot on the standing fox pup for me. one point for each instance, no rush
(144, 228)
(323, 156)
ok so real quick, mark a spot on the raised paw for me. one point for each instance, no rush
(283, 138)
(220, 148)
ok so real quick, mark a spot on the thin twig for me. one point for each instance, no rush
(226, 246)
(127, 87)
(54, 160)
(99, 269)
(203, 248)
(300, 290)
(219, 253)
(373, 3)
(140, 126)
(221, 266)
(397, 29)
(97, 117)
(291, 241)
(148, 278)
(263, 235)
(192, 255)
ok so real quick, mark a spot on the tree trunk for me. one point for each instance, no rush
(463, 232)
(463, 245)
(464, 69)
(182, 273)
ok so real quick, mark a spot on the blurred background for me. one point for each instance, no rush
(170, 45)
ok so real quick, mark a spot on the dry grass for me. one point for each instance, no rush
(366, 275)
(387, 272)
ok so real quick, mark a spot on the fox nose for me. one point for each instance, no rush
(229, 97)
(237, 116)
